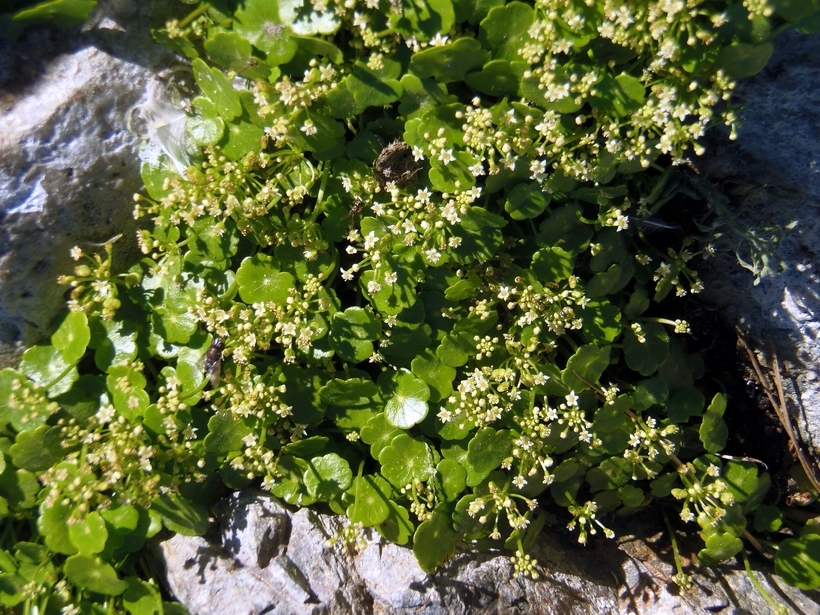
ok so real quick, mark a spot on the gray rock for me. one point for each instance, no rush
(267, 558)
(775, 165)
(68, 163)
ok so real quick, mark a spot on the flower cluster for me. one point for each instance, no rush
(481, 398)
(706, 496)
(584, 518)
(647, 444)
(93, 286)
(488, 508)
(530, 450)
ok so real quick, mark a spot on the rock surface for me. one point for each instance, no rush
(774, 166)
(68, 168)
(68, 162)
(268, 558)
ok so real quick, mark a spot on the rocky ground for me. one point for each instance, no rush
(68, 168)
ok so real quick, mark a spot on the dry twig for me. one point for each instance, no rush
(780, 407)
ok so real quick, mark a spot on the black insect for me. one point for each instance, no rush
(358, 207)
(396, 165)
(213, 361)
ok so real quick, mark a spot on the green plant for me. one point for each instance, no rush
(64, 13)
(413, 229)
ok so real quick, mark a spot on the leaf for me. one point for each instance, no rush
(352, 333)
(64, 13)
(601, 322)
(397, 528)
(289, 484)
(72, 337)
(420, 95)
(303, 385)
(406, 459)
(648, 393)
(217, 87)
(589, 363)
(684, 403)
(797, 561)
(450, 62)
(618, 96)
(719, 548)
(38, 449)
(485, 453)
(645, 358)
(713, 431)
(740, 478)
(767, 518)
(261, 281)
(205, 131)
(378, 433)
(142, 598)
(434, 541)
(45, 366)
(225, 433)
(369, 89)
(89, 535)
(438, 376)
(453, 478)
(741, 60)
(228, 49)
(563, 229)
(181, 516)
(53, 525)
(116, 342)
(405, 398)
(372, 501)
(505, 30)
(526, 201)
(327, 476)
(350, 393)
(498, 78)
(94, 575)
(240, 138)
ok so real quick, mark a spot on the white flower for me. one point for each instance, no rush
(572, 399)
(446, 156)
(438, 40)
(418, 153)
(359, 20)
(309, 128)
(76, 253)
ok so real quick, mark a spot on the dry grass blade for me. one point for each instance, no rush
(779, 406)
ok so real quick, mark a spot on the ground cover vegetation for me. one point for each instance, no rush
(398, 261)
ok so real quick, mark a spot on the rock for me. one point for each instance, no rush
(268, 558)
(68, 162)
(774, 167)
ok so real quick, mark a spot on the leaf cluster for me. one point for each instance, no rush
(440, 357)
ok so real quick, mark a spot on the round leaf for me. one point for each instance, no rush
(94, 575)
(89, 535)
(434, 541)
(260, 281)
(327, 476)
(406, 398)
(72, 336)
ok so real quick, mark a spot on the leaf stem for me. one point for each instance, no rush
(194, 14)
(777, 607)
